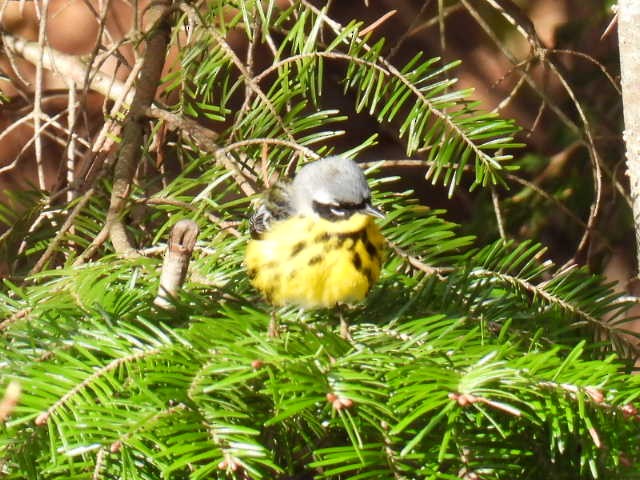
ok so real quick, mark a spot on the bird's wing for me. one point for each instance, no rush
(275, 205)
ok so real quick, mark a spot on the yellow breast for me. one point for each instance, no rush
(316, 263)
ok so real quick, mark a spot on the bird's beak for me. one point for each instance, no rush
(372, 211)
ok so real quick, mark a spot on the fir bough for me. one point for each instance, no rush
(466, 361)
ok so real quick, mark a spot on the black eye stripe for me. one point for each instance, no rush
(341, 205)
(352, 206)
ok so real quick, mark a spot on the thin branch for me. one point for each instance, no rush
(331, 55)
(134, 127)
(435, 20)
(100, 457)
(206, 139)
(271, 141)
(593, 155)
(592, 60)
(498, 212)
(516, 88)
(97, 242)
(370, 28)
(65, 65)
(62, 231)
(42, 130)
(511, 12)
(71, 147)
(418, 264)
(410, 30)
(248, 92)
(39, 86)
(97, 374)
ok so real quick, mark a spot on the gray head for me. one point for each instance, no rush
(333, 188)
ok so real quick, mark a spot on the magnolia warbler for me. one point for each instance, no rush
(314, 242)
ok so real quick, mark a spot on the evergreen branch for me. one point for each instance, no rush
(146, 425)
(113, 365)
(447, 119)
(316, 54)
(415, 262)
(541, 292)
(271, 141)
(460, 130)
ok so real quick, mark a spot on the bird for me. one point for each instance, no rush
(314, 242)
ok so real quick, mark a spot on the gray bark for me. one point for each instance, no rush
(629, 41)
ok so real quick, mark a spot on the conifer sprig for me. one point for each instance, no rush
(466, 360)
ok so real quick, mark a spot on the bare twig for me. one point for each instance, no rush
(134, 127)
(592, 60)
(433, 21)
(206, 139)
(496, 208)
(610, 27)
(71, 147)
(68, 66)
(593, 155)
(410, 30)
(176, 262)
(37, 100)
(53, 244)
(377, 23)
(102, 453)
(248, 92)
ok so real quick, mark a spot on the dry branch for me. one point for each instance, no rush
(67, 66)
(134, 128)
(176, 262)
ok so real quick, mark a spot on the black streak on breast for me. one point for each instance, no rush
(297, 248)
(357, 261)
